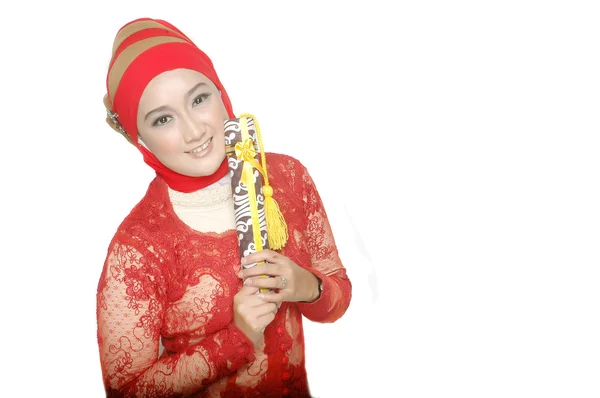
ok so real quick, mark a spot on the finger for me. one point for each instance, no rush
(248, 290)
(264, 309)
(265, 320)
(261, 269)
(265, 282)
(270, 297)
(252, 301)
(262, 255)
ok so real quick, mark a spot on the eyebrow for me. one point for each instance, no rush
(165, 107)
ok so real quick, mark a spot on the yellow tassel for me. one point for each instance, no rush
(276, 226)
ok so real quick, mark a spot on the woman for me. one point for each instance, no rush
(177, 313)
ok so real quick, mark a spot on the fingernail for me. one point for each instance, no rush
(248, 282)
(260, 296)
(244, 261)
(240, 274)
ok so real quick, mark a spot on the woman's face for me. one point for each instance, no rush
(180, 119)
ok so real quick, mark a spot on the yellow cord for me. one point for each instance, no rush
(276, 226)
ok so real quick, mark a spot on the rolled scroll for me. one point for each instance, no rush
(259, 223)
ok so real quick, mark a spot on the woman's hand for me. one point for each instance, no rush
(252, 315)
(288, 281)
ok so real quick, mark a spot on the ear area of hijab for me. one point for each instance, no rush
(113, 122)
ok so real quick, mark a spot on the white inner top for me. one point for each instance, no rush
(209, 209)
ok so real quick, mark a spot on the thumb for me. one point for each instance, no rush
(248, 290)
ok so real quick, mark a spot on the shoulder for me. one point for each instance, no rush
(143, 221)
(283, 165)
(288, 175)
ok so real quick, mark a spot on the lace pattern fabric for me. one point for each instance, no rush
(162, 278)
(213, 195)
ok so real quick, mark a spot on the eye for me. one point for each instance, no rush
(200, 99)
(162, 121)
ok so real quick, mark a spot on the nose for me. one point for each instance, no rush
(192, 129)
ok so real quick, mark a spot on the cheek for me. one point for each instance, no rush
(219, 108)
(164, 143)
(224, 112)
(219, 116)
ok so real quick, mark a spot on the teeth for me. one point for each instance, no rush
(202, 147)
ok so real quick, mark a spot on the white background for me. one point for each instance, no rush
(455, 146)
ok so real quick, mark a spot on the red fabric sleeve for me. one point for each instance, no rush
(130, 309)
(325, 262)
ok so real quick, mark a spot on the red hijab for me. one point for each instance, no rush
(143, 49)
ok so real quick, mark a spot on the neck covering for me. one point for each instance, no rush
(143, 49)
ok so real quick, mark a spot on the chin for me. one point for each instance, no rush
(206, 170)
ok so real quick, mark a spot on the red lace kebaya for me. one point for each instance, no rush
(163, 279)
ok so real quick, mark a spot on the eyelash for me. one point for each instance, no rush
(203, 96)
(157, 122)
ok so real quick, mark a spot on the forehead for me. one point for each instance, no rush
(172, 84)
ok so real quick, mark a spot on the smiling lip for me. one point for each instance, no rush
(201, 150)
